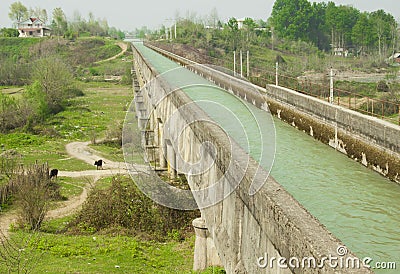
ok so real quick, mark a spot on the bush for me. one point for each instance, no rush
(382, 86)
(8, 32)
(9, 118)
(127, 77)
(36, 102)
(34, 191)
(123, 205)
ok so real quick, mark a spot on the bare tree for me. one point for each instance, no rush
(213, 18)
(34, 192)
(59, 21)
(39, 13)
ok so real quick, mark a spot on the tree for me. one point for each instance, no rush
(394, 35)
(8, 112)
(36, 102)
(18, 12)
(55, 79)
(39, 13)
(59, 21)
(341, 21)
(249, 27)
(213, 18)
(233, 31)
(362, 34)
(291, 18)
(383, 24)
(318, 29)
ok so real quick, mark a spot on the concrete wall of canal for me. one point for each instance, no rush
(243, 227)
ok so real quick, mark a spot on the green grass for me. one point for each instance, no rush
(17, 48)
(86, 51)
(57, 253)
(106, 182)
(115, 154)
(85, 116)
(93, 113)
(54, 226)
(70, 187)
(113, 67)
(32, 148)
(110, 152)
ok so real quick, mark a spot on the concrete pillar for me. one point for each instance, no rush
(205, 253)
(171, 160)
(162, 146)
(163, 154)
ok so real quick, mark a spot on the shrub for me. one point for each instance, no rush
(382, 86)
(9, 32)
(34, 191)
(9, 117)
(123, 205)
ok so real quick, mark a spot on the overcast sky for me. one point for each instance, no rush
(131, 14)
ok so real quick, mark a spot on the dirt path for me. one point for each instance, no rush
(5, 221)
(81, 151)
(124, 48)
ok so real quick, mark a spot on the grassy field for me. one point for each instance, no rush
(59, 253)
(91, 116)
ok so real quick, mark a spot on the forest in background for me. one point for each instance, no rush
(324, 26)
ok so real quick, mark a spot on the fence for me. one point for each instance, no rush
(386, 110)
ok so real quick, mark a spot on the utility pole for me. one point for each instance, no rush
(241, 64)
(248, 65)
(331, 87)
(234, 63)
(272, 37)
(276, 73)
(168, 28)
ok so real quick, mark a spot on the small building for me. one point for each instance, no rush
(240, 23)
(338, 51)
(395, 57)
(33, 27)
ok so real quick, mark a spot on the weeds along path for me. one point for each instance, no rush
(81, 151)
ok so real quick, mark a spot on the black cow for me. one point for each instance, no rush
(99, 164)
(53, 173)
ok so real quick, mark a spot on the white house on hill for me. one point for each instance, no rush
(33, 27)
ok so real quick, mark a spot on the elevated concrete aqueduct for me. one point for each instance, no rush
(241, 229)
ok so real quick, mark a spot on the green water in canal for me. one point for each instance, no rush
(356, 204)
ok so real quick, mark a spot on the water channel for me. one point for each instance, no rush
(359, 206)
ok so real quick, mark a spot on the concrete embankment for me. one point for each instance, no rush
(245, 228)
